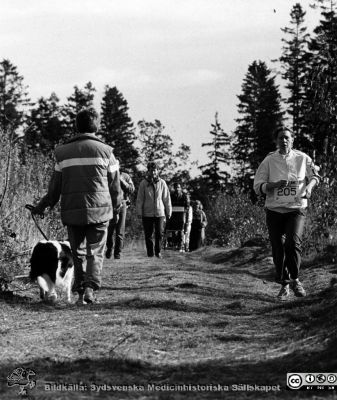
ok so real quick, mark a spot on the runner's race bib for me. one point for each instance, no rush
(288, 194)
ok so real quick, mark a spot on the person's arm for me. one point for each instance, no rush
(53, 194)
(275, 185)
(312, 175)
(204, 219)
(261, 180)
(114, 183)
(166, 197)
(189, 215)
(140, 199)
(126, 184)
(308, 189)
(187, 201)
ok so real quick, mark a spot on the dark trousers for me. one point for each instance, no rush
(156, 225)
(285, 234)
(195, 238)
(87, 245)
(119, 228)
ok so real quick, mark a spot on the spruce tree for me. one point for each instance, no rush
(80, 99)
(321, 116)
(294, 64)
(46, 128)
(218, 154)
(260, 114)
(117, 128)
(13, 98)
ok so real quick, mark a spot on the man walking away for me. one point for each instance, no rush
(118, 224)
(86, 177)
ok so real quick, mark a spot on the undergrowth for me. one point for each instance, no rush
(232, 219)
(24, 181)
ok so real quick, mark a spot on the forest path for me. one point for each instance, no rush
(209, 318)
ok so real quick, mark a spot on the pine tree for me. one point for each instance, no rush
(213, 172)
(117, 128)
(46, 128)
(80, 99)
(13, 98)
(294, 62)
(321, 116)
(261, 114)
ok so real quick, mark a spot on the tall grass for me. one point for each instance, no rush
(24, 180)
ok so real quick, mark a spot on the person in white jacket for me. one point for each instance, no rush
(287, 177)
(154, 207)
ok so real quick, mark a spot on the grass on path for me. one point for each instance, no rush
(205, 318)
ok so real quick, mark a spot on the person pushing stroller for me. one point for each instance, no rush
(180, 207)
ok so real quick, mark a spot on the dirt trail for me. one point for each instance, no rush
(209, 318)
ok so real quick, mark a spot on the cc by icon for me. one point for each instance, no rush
(294, 381)
(310, 378)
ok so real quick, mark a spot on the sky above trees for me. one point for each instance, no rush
(178, 61)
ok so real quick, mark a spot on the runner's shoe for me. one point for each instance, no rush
(298, 289)
(284, 292)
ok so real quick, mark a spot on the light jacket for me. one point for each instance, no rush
(153, 199)
(86, 177)
(295, 167)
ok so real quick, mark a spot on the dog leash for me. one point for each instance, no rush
(30, 208)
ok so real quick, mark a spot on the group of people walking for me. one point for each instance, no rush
(163, 211)
(95, 197)
(184, 221)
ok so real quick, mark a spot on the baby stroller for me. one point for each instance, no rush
(174, 230)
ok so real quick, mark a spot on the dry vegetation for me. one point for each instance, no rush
(209, 317)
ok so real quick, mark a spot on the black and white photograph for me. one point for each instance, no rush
(168, 199)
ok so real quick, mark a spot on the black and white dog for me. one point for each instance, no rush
(53, 268)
